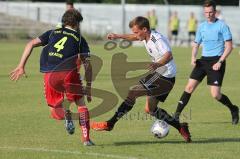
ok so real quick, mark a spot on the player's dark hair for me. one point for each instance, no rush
(71, 17)
(141, 22)
(69, 2)
(210, 3)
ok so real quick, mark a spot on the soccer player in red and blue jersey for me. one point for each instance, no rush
(63, 47)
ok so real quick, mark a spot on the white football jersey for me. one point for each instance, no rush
(156, 47)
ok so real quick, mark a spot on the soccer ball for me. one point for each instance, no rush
(160, 129)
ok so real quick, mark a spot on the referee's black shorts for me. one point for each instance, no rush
(191, 33)
(204, 68)
(175, 32)
(158, 85)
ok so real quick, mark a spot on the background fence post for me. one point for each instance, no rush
(38, 14)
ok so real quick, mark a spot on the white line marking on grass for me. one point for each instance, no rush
(67, 152)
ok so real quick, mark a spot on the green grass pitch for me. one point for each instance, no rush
(26, 130)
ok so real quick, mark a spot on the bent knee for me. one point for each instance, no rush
(189, 88)
(216, 96)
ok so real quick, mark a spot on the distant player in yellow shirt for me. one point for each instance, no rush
(174, 27)
(153, 20)
(192, 27)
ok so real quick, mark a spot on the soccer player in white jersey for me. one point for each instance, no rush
(156, 85)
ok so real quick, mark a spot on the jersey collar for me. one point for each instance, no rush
(70, 29)
(149, 36)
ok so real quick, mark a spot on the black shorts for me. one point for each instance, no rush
(191, 33)
(204, 68)
(157, 85)
(175, 32)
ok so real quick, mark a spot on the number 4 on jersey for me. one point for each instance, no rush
(60, 44)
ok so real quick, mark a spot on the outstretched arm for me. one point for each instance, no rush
(130, 37)
(19, 71)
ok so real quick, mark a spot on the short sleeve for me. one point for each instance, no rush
(198, 38)
(227, 35)
(163, 45)
(84, 48)
(45, 37)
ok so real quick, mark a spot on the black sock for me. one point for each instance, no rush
(182, 103)
(161, 114)
(125, 107)
(226, 101)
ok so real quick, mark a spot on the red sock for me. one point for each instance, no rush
(57, 113)
(147, 106)
(84, 122)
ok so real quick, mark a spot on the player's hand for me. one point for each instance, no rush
(17, 73)
(112, 36)
(89, 93)
(193, 62)
(153, 66)
(216, 66)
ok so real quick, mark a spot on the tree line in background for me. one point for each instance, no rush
(177, 2)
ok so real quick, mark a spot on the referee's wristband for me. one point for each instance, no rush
(220, 61)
